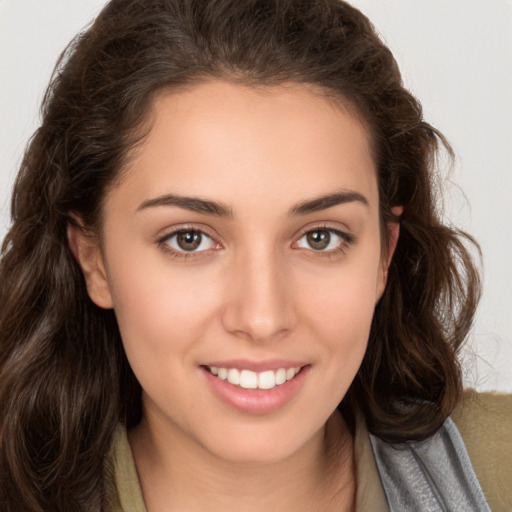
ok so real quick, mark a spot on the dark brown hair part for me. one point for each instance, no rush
(65, 382)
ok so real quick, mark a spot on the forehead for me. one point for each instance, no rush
(234, 141)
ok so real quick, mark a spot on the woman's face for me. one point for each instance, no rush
(240, 247)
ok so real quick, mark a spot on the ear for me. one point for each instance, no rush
(86, 250)
(393, 232)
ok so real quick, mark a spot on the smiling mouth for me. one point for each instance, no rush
(248, 379)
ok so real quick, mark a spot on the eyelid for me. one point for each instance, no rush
(161, 240)
(342, 231)
(347, 238)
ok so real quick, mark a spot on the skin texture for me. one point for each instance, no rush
(254, 290)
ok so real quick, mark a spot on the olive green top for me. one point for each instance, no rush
(484, 421)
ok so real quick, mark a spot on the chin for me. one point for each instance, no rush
(253, 445)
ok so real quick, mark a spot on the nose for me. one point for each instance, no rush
(259, 305)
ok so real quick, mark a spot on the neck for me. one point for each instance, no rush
(183, 476)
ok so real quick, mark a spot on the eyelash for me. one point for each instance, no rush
(346, 241)
(163, 242)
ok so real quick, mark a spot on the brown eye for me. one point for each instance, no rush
(188, 240)
(324, 240)
(319, 239)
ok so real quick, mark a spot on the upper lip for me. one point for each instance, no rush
(257, 366)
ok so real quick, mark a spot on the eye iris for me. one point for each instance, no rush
(188, 240)
(319, 239)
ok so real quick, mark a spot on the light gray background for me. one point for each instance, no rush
(456, 57)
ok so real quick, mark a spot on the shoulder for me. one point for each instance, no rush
(484, 421)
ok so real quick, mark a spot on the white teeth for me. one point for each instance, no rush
(251, 380)
(280, 376)
(248, 379)
(234, 376)
(267, 380)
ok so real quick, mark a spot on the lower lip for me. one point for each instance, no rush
(256, 401)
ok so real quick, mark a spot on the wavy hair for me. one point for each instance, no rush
(64, 379)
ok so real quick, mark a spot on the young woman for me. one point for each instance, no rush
(227, 282)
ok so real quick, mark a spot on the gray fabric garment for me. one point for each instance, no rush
(434, 475)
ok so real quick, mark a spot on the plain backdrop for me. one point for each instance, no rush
(455, 56)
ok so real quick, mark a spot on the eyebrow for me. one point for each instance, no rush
(194, 204)
(208, 207)
(328, 201)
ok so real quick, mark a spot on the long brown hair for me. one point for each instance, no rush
(64, 379)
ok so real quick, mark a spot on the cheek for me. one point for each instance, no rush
(161, 310)
(163, 318)
(343, 318)
(339, 309)
(337, 315)
(343, 296)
